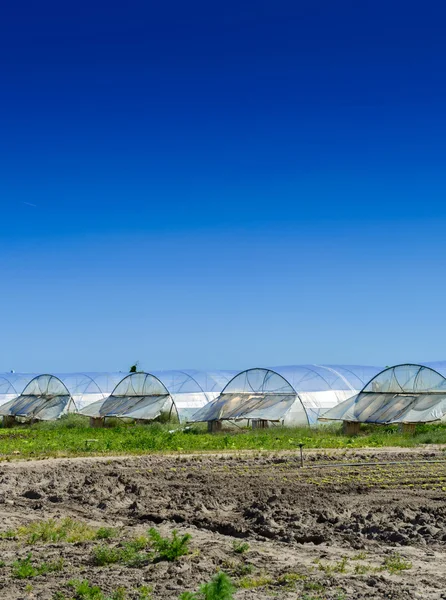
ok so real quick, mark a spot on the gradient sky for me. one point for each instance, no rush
(221, 185)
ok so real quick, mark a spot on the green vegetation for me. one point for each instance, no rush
(220, 588)
(169, 548)
(52, 530)
(83, 590)
(395, 563)
(72, 436)
(240, 547)
(131, 554)
(339, 566)
(143, 550)
(23, 568)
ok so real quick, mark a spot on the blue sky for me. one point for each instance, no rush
(221, 185)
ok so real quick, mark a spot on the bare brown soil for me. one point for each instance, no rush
(299, 523)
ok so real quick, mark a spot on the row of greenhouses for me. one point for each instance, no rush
(286, 396)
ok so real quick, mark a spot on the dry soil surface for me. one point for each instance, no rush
(331, 530)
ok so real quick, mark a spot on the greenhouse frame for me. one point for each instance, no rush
(290, 395)
(47, 397)
(145, 396)
(12, 385)
(407, 394)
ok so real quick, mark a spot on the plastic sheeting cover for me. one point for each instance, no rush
(254, 394)
(12, 385)
(314, 388)
(137, 396)
(146, 395)
(400, 394)
(47, 397)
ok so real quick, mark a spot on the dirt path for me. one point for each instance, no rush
(330, 532)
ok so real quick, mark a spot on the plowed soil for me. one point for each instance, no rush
(348, 525)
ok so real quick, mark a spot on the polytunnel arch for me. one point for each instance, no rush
(187, 391)
(290, 395)
(140, 396)
(407, 393)
(257, 394)
(48, 396)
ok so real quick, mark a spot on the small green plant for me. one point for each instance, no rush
(57, 530)
(104, 555)
(240, 547)
(83, 590)
(23, 568)
(131, 553)
(144, 592)
(220, 588)
(105, 533)
(395, 563)
(169, 549)
(249, 583)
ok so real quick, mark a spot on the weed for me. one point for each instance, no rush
(104, 555)
(240, 547)
(338, 567)
(105, 533)
(237, 569)
(144, 592)
(289, 579)
(169, 549)
(248, 583)
(220, 588)
(313, 586)
(84, 591)
(23, 568)
(52, 530)
(361, 569)
(130, 554)
(359, 556)
(395, 563)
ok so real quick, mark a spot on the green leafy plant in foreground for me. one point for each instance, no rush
(220, 588)
(143, 550)
(395, 563)
(131, 553)
(23, 568)
(56, 530)
(83, 590)
(169, 548)
(240, 547)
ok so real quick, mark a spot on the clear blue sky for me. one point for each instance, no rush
(200, 184)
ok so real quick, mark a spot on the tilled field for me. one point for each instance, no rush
(341, 528)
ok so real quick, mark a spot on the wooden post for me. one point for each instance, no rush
(9, 421)
(214, 426)
(408, 428)
(260, 424)
(351, 427)
(97, 422)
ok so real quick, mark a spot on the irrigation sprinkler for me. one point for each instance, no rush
(301, 454)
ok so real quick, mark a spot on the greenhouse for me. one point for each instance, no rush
(293, 395)
(12, 385)
(145, 396)
(48, 397)
(406, 394)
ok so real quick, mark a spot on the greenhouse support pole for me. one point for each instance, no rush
(9, 421)
(408, 428)
(351, 427)
(214, 426)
